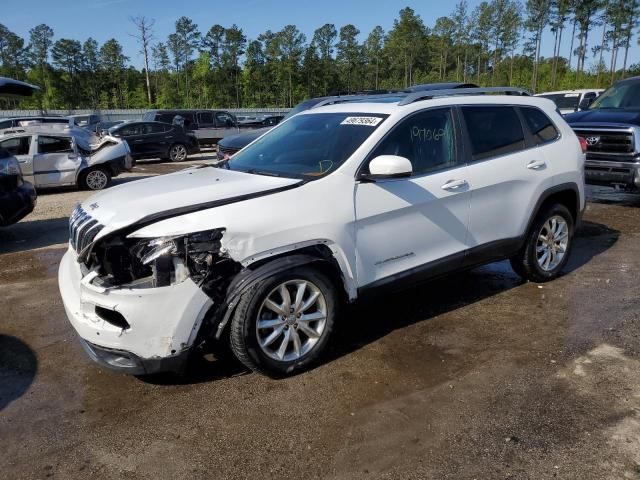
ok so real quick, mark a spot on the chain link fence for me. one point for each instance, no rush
(131, 114)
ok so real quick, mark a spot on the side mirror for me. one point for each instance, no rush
(72, 156)
(389, 166)
(585, 103)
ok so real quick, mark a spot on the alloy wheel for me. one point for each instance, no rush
(291, 320)
(178, 153)
(552, 243)
(97, 180)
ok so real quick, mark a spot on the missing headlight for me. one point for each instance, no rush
(174, 259)
(158, 262)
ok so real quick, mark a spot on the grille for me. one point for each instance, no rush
(609, 143)
(82, 229)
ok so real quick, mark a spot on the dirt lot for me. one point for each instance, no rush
(474, 376)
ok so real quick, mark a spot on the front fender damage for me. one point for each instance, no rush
(226, 290)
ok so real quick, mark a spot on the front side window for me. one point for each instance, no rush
(493, 131)
(427, 139)
(16, 145)
(224, 119)
(307, 146)
(54, 144)
(541, 128)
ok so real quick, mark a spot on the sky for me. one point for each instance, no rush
(105, 19)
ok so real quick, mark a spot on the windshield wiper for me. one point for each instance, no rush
(222, 163)
(263, 172)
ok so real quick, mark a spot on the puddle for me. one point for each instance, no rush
(30, 265)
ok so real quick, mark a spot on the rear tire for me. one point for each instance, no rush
(547, 246)
(177, 152)
(260, 325)
(94, 178)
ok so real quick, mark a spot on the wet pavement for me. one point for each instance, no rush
(477, 375)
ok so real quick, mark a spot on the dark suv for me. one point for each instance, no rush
(611, 127)
(209, 126)
(157, 140)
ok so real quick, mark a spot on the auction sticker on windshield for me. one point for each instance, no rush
(369, 121)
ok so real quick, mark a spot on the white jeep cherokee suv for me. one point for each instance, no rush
(333, 204)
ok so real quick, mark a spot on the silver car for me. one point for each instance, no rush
(59, 155)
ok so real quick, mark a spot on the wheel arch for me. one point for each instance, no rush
(320, 254)
(567, 194)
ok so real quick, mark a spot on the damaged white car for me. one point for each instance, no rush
(331, 205)
(52, 155)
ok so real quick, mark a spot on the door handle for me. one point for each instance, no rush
(454, 184)
(536, 165)
(138, 141)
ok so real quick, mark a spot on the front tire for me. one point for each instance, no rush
(547, 246)
(94, 178)
(283, 324)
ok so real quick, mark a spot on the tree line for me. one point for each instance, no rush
(496, 43)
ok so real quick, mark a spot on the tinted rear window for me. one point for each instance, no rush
(493, 131)
(541, 128)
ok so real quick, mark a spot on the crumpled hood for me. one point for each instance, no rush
(190, 189)
(604, 115)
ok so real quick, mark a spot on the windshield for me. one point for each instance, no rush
(307, 146)
(622, 95)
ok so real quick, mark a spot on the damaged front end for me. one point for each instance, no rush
(119, 264)
(126, 262)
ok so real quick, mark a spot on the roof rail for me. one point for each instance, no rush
(355, 98)
(429, 94)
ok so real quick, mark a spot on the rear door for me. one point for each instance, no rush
(20, 147)
(132, 134)
(56, 161)
(152, 140)
(507, 174)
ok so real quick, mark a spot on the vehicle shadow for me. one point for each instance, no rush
(214, 361)
(611, 196)
(379, 317)
(366, 322)
(27, 235)
(18, 367)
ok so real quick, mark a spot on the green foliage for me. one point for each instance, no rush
(498, 43)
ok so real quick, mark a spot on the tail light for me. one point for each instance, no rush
(583, 144)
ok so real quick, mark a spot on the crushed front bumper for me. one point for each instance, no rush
(136, 331)
(610, 173)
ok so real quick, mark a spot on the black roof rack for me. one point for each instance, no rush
(429, 94)
(355, 98)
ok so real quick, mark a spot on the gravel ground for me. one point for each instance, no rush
(477, 375)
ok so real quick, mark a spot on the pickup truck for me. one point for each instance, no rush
(611, 127)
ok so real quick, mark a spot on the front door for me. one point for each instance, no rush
(56, 161)
(414, 227)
